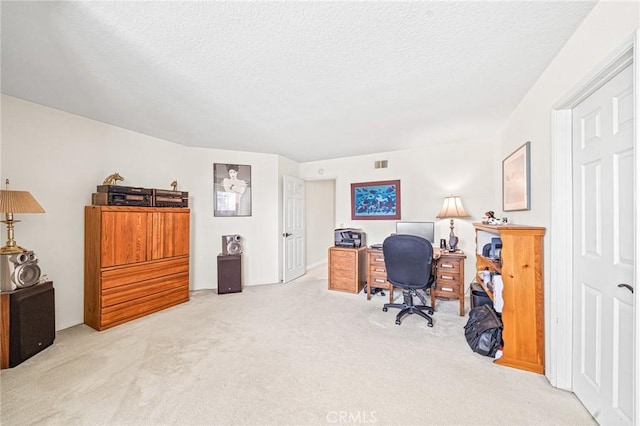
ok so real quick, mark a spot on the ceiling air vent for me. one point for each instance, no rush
(381, 164)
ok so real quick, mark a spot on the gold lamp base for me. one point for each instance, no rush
(12, 250)
(10, 247)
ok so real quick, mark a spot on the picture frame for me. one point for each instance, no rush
(516, 179)
(378, 200)
(231, 190)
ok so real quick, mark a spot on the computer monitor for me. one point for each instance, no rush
(425, 230)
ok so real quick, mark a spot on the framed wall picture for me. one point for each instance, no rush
(375, 200)
(516, 180)
(231, 190)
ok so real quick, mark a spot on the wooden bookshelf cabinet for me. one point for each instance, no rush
(521, 267)
(136, 261)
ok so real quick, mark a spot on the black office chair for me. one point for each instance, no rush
(408, 261)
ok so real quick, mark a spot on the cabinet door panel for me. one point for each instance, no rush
(124, 238)
(170, 234)
(116, 277)
(135, 291)
(338, 282)
(142, 306)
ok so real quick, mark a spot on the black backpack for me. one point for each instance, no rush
(483, 330)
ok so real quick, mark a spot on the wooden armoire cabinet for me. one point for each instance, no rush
(136, 262)
(520, 264)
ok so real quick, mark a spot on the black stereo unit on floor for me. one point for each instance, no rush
(229, 273)
(32, 322)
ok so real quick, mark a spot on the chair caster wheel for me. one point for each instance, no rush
(429, 324)
(397, 322)
(384, 309)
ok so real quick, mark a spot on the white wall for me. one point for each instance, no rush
(427, 175)
(320, 220)
(260, 257)
(61, 157)
(603, 31)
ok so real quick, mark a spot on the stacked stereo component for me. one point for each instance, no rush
(166, 198)
(116, 195)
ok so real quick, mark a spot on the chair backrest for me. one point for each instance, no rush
(408, 260)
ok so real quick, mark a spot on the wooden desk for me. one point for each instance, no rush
(377, 272)
(449, 278)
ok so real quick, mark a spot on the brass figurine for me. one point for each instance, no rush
(174, 185)
(113, 179)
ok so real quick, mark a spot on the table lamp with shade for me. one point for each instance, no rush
(451, 208)
(12, 202)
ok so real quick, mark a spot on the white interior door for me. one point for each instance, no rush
(603, 251)
(293, 228)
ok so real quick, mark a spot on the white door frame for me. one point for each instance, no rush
(560, 331)
(293, 228)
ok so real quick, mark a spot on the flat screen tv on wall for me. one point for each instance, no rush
(425, 230)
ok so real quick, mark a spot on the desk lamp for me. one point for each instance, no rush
(15, 202)
(452, 207)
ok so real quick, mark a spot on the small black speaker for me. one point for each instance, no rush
(32, 322)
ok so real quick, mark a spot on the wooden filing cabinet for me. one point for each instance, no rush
(347, 269)
(449, 278)
(377, 273)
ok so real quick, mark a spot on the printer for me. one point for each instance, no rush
(349, 237)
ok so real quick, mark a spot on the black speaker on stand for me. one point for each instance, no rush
(229, 273)
(29, 317)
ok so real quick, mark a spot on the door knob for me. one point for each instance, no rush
(286, 234)
(627, 286)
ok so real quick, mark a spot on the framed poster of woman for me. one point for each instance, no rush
(231, 190)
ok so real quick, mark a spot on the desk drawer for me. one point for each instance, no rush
(447, 283)
(447, 288)
(444, 277)
(349, 274)
(343, 261)
(449, 266)
(337, 282)
(376, 259)
(378, 281)
(377, 270)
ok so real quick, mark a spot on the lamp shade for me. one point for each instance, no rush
(18, 202)
(452, 207)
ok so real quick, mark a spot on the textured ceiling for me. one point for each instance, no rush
(306, 80)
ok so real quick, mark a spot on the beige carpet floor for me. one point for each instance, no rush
(282, 354)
